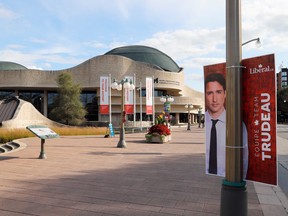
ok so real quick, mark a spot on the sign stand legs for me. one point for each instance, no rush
(42, 153)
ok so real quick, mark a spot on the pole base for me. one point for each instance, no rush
(122, 144)
(233, 199)
(42, 156)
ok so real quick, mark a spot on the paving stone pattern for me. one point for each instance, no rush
(88, 175)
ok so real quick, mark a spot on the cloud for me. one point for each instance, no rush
(18, 57)
(42, 58)
(38, 41)
(268, 20)
(191, 32)
(96, 44)
(191, 49)
(180, 43)
(5, 13)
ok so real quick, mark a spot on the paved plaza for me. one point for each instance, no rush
(88, 175)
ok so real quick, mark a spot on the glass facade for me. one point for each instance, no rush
(6, 93)
(34, 97)
(89, 100)
(90, 103)
(157, 93)
(51, 99)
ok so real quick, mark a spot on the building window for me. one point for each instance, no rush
(34, 97)
(90, 103)
(88, 99)
(284, 73)
(51, 99)
(6, 93)
(157, 93)
(284, 78)
(284, 84)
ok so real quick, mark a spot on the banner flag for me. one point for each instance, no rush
(149, 97)
(259, 119)
(259, 115)
(104, 95)
(215, 96)
(129, 97)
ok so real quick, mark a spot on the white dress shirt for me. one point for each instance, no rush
(221, 144)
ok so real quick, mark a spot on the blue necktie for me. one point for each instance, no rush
(213, 148)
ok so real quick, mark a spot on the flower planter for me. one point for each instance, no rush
(157, 138)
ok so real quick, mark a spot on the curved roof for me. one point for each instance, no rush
(147, 54)
(5, 65)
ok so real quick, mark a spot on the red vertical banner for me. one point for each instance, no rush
(104, 95)
(129, 97)
(259, 115)
(149, 96)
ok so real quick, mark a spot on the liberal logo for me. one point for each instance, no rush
(260, 69)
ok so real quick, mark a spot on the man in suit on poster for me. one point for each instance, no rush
(215, 120)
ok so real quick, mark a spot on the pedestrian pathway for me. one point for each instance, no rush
(88, 175)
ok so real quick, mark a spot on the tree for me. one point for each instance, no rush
(68, 108)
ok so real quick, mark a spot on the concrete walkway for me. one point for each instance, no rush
(90, 176)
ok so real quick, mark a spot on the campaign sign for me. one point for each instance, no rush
(259, 119)
(259, 115)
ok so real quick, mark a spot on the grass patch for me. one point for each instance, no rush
(8, 135)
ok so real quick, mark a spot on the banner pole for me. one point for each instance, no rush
(153, 101)
(234, 192)
(110, 117)
(134, 101)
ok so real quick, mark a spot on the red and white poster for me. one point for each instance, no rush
(149, 96)
(104, 95)
(259, 115)
(129, 97)
(259, 118)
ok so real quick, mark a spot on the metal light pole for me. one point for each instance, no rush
(199, 116)
(140, 93)
(189, 106)
(134, 102)
(234, 192)
(167, 100)
(110, 114)
(121, 86)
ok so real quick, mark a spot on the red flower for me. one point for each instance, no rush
(159, 128)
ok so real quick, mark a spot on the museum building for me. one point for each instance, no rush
(40, 86)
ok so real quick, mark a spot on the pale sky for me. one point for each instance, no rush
(59, 34)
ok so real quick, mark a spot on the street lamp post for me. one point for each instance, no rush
(167, 100)
(189, 106)
(140, 96)
(199, 116)
(121, 86)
